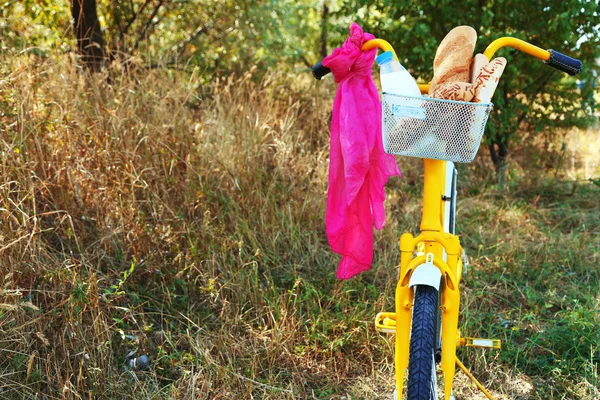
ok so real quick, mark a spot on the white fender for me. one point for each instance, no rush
(426, 274)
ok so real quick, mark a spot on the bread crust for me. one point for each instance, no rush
(487, 80)
(458, 91)
(452, 62)
(479, 61)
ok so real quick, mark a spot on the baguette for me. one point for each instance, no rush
(479, 61)
(458, 91)
(452, 62)
(487, 80)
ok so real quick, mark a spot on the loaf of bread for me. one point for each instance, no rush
(452, 62)
(487, 80)
(479, 61)
(459, 91)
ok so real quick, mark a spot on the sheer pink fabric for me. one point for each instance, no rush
(358, 166)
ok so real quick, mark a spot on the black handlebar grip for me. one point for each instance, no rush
(319, 71)
(564, 63)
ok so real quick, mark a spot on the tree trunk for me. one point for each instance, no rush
(87, 31)
(501, 173)
(324, 17)
(499, 152)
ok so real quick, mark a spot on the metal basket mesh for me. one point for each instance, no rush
(425, 127)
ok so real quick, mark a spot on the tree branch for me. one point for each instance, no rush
(133, 18)
(181, 46)
(494, 154)
(148, 24)
(305, 61)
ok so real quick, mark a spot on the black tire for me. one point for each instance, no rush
(422, 384)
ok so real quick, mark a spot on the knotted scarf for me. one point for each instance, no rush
(358, 165)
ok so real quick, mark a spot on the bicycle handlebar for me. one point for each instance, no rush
(319, 70)
(553, 58)
(564, 63)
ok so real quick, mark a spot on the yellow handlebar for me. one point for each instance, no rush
(497, 44)
(518, 44)
(379, 43)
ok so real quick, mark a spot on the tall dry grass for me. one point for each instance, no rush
(151, 215)
(149, 212)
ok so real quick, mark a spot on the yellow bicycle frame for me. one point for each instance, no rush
(435, 241)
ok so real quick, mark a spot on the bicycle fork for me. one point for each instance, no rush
(450, 275)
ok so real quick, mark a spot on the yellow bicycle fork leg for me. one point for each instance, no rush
(404, 302)
(403, 317)
(450, 306)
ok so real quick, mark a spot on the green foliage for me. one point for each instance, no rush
(217, 36)
(37, 25)
(117, 289)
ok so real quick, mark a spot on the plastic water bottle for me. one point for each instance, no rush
(394, 77)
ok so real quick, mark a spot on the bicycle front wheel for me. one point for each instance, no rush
(422, 380)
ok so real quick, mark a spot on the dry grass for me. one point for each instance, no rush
(163, 215)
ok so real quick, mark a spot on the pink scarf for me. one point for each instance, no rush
(358, 166)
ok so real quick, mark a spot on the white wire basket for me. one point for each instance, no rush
(426, 127)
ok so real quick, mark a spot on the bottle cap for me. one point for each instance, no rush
(384, 57)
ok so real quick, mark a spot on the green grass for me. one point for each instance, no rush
(159, 215)
(534, 284)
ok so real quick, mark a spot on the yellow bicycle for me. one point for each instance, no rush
(427, 298)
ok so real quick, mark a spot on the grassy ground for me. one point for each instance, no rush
(184, 220)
